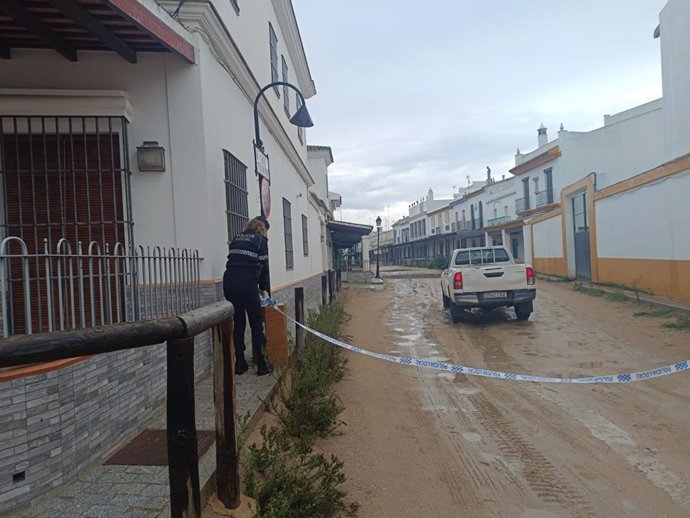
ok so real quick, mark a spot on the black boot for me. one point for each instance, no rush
(264, 367)
(241, 365)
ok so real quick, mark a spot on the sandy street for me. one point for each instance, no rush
(423, 443)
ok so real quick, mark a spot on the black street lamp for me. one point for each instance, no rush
(378, 245)
(301, 118)
(261, 165)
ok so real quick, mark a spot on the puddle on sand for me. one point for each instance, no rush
(471, 436)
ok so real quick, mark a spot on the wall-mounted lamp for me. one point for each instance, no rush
(151, 156)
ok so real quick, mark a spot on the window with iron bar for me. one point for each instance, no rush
(273, 43)
(65, 184)
(287, 224)
(236, 195)
(305, 235)
(286, 97)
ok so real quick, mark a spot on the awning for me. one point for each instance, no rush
(346, 235)
(67, 26)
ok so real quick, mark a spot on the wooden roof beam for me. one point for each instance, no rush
(30, 22)
(4, 50)
(81, 16)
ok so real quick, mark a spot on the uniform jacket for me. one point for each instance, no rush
(248, 255)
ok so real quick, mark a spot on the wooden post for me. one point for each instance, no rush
(183, 456)
(300, 333)
(331, 286)
(227, 463)
(324, 290)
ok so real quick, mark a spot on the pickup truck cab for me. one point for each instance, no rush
(487, 277)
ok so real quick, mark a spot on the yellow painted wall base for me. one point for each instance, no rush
(662, 277)
(551, 265)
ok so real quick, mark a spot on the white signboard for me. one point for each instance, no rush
(261, 166)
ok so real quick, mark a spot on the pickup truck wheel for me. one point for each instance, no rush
(457, 314)
(523, 310)
(446, 301)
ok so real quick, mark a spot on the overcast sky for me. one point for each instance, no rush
(412, 95)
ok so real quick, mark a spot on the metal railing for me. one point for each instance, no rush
(90, 286)
(498, 221)
(179, 332)
(544, 198)
(521, 204)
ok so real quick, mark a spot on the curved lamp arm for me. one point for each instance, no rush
(300, 118)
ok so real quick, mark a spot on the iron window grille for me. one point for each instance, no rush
(236, 195)
(287, 224)
(305, 235)
(273, 43)
(286, 97)
(66, 187)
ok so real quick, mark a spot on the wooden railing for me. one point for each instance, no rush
(179, 333)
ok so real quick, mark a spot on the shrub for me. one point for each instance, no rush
(284, 474)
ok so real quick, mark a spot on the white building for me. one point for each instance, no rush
(128, 125)
(619, 213)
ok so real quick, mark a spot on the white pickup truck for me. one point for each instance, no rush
(487, 278)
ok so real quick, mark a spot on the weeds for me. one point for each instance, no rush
(617, 296)
(589, 290)
(682, 323)
(284, 474)
(656, 313)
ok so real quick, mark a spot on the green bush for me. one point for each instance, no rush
(294, 482)
(284, 475)
(311, 406)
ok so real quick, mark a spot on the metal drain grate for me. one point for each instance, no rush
(150, 448)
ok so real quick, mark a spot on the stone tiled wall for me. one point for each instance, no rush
(54, 425)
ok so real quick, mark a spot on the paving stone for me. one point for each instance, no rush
(139, 470)
(129, 500)
(127, 489)
(157, 490)
(157, 502)
(97, 488)
(120, 478)
(142, 513)
(105, 511)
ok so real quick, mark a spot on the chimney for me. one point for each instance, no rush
(542, 137)
(488, 174)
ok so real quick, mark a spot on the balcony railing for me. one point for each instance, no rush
(544, 198)
(521, 204)
(498, 221)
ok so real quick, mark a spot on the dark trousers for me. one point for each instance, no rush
(242, 290)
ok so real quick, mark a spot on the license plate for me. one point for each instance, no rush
(496, 295)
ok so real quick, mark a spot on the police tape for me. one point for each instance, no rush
(627, 377)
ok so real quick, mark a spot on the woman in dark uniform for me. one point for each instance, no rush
(245, 278)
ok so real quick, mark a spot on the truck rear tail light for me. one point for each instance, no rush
(530, 276)
(457, 281)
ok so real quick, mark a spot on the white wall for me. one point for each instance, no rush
(619, 150)
(661, 231)
(675, 68)
(145, 87)
(548, 238)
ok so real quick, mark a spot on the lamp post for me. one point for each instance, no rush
(301, 118)
(378, 245)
